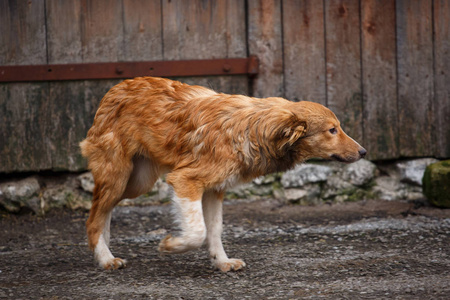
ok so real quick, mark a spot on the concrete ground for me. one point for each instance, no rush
(359, 250)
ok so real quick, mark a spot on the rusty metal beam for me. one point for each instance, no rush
(207, 67)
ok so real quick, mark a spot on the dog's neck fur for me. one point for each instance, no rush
(257, 142)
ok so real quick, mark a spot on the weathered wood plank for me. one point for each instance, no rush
(89, 31)
(236, 34)
(415, 77)
(342, 30)
(64, 32)
(22, 38)
(66, 126)
(265, 41)
(236, 46)
(142, 30)
(379, 78)
(23, 144)
(194, 29)
(304, 50)
(202, 30)
(441, 109)
(101, 30)
(102, 40)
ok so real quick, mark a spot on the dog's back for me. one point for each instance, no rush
(141, 97)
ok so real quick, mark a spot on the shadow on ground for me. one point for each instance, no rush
(361, 250)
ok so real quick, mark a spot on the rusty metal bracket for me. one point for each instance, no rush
(207, 67)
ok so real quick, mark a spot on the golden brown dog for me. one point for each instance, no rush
(205, 142)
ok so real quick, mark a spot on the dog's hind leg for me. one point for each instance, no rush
(143, 177)
(212, 210)
(107, 193)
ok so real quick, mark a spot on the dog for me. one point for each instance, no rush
(205, 142)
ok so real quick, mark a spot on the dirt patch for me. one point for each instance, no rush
(362, 250)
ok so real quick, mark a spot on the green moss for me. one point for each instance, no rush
(231, 196)
(446, 163)
(436, 184)
(276, 185)
(356, 195)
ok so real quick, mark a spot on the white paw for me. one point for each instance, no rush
(229, 264)
(172, 245)
(114, 264)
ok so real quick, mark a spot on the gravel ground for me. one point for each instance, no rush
(360, 250)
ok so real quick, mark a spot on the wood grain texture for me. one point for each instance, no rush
(379, 78)
(101, 30)
(304, 50)
(344, 94)
(22, 38)
(381, 65)
(102, 36)
(415, 77)
(64, 32)
(265, 41)
(441, 112)
(22, 105)
(142, 30)
(64, 46)
(202, 30)
(79, 31)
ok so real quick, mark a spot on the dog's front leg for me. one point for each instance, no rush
(212, 209)
(189, 216)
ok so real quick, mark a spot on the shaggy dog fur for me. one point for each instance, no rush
(205, 142)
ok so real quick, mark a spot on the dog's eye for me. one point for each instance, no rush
(333, 130)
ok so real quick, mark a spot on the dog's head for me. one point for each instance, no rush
(317, 134)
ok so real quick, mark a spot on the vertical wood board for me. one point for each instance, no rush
(101, 30)
(22, 105)
(415, 77)
(142, 30)
(441, 112)
(236, 34)
(304, 50)
(379, 78)
(22, 36)
(194, 29)
(79, 31)
(265, 41)
(66, 126)
(203, 30)
(344, 94)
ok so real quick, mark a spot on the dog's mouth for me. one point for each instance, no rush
(341, 159)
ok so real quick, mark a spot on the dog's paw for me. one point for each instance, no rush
(168, 245)
(231, 264)
(174, 245)
(114, 264)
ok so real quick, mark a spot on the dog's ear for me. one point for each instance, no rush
(292, 131)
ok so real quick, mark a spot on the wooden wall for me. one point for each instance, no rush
(381, 65)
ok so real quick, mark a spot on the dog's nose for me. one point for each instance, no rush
(362, 152)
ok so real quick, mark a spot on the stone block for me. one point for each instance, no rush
(412, 171)
(16, 195)
(436, 184)
(359, 173)
(304, 174)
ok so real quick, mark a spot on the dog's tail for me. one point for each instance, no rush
(101, 150)
(85, 146)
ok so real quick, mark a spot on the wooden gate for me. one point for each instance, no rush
(381, 65)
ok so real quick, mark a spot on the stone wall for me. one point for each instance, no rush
(314, 183)
(307, 184)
